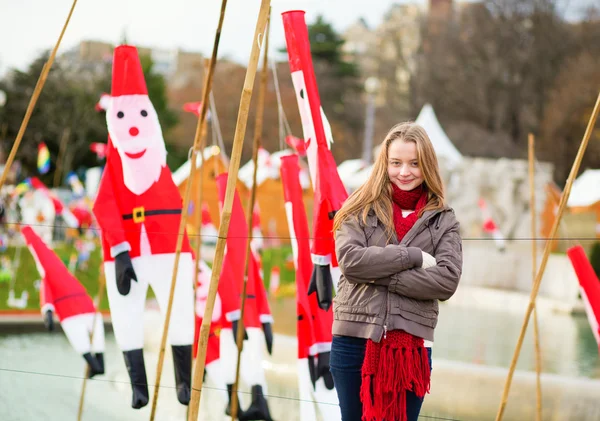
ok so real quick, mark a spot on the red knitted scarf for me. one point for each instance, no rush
(399, 363)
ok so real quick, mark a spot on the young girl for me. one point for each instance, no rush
(400, 251)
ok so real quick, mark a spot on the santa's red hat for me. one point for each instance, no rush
(127, 77)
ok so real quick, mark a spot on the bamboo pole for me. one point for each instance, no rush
(234, 165)
(198, 209)
(536, 328)
(101, 288)
(34, 97)
(61, 152)
(199, 196)
(249, 217)
(186, 201)
(538, 279)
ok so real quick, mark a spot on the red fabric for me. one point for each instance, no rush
(312, 321)
(415, 199)
(67, 295)
(114, 200)
(589, 286)
(392, 367)
(127, 75)
(489, 226)
(232, 273)
(399, 363)
(329, 191)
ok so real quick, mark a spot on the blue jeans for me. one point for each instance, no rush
(347, 354)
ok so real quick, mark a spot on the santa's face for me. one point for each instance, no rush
(135, 131)
(308, 127)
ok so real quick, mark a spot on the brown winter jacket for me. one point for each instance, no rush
(383, 286)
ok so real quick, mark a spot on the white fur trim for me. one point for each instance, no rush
(266, 318)
(233, 315)
(319, 348)
(120, 248)
(321, 260)
(47, 307)
(104, 102)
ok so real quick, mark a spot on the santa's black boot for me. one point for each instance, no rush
(240, 413)
(134, 361)
(259, 408)
(100, 358)
(94, 366)
(182, 362)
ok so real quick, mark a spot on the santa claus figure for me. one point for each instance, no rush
(62, 294)
(138, 208)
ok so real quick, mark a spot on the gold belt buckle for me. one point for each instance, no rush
(139, 215)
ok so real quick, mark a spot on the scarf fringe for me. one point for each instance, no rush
(391, 368)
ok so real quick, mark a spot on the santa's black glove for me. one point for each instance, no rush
(49, 320)
(235, 325)
(268, 330)
(321, 284)
(124, 271)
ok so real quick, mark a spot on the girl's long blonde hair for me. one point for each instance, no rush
(376, 192)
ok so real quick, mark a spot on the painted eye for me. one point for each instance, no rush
(120, 114)
(144, 113)
(302, 93)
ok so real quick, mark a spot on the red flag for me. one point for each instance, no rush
(589, 286)
(99, 149)
(330, 192)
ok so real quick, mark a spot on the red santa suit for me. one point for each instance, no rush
(314, 324)
(62, 294)
(138, 208)
(213, 364)
(589, 287)
(256, 312)
(330, 193)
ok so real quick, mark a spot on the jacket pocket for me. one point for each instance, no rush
(424, 312)
(355, 295)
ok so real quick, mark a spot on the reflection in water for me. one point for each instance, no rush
(38, 368)
(489, 338)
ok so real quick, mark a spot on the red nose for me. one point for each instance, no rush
(134, 131)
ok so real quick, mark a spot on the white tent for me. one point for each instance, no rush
(350, 167)
(354, 181)
(443, 146)
(269, 165)
(586, 189)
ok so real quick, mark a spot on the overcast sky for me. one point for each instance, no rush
(27, 27)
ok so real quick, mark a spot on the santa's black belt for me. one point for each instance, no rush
(139, 214)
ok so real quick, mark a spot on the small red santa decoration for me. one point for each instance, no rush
(138, 209)
(62, 294)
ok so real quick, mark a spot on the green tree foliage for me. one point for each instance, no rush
(595, 258)
(68, 102)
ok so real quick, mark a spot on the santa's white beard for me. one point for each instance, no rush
(139, 174)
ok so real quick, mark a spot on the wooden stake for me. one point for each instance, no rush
(101, 288)
(61, 152)
(536, 328)
(186, 201)
(34, 97)
(249, 217)
(234, 165)
(538, 279)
